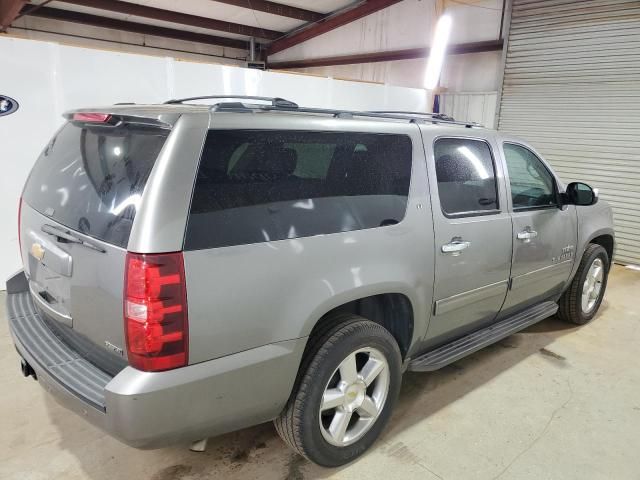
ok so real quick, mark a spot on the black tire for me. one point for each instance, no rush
(571, 301)
(299, 422)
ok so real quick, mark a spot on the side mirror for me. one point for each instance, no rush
(579, 193)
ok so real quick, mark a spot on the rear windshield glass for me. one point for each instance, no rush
(91, 179)
(258, 186)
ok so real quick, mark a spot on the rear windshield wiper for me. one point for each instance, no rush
(65, 236)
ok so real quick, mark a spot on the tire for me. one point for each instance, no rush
(571, 303)
(329, 353)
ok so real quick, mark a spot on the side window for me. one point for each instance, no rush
(466, 177)
(532, 185)
(261, 185)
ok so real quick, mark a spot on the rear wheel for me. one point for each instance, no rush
(580, 303)
(348, 383)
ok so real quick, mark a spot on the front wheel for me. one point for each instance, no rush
(580, 303)
(349, 381)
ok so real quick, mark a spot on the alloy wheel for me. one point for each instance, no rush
(354, 397)
(592, 285)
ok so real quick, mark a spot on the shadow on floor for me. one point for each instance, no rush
(257, 452)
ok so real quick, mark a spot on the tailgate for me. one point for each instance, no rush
(77, 212)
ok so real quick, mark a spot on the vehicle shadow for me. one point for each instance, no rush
(258, 452)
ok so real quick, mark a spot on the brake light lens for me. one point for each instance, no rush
(155, 311)
(91, 117)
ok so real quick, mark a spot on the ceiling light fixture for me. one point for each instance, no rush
(437, 52)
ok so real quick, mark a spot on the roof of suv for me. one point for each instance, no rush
(172, 109)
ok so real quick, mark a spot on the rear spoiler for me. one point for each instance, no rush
(108, 119)
(116, 117)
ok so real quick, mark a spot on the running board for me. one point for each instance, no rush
(461, 347)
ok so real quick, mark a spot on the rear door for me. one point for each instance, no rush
(544, 231)
(472, 235)
(77, 211)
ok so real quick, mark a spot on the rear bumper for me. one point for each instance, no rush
(154, 409)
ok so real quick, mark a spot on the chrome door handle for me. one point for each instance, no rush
(456, 246)
(527, 234)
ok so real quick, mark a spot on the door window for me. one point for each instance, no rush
(532, 185)
(466, 177)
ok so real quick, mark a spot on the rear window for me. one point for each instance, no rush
(466, 177)
(91, 179)
(258, 186)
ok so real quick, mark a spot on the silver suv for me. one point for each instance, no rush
(195, 269)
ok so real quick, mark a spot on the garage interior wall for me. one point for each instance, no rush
(48, 78)
(407, 24)
(410, 24)
(572, 87)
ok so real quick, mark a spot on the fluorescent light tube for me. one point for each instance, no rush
(437, 51)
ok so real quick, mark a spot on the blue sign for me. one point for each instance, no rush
(7, 105)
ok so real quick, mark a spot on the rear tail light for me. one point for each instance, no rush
(155, 311)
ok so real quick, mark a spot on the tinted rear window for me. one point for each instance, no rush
(466, 177)
(91, 179)
(258, 186)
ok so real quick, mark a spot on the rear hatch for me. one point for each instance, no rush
(77, 211)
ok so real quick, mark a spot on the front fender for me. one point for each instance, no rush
(593, 221)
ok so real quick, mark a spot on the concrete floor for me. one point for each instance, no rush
(554, 401)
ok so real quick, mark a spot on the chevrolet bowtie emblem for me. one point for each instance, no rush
(37, 251)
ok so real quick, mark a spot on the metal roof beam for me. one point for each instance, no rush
(277, 9)
(177, 17)
(9, 11)
(329, 23)
(141, 28)
(386, 56)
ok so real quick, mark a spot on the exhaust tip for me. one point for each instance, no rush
(27, 371)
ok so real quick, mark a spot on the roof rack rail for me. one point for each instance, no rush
(275, 101)
(413, 117)
(437, 116)
(281, 104)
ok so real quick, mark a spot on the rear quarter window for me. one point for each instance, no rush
(259, 186)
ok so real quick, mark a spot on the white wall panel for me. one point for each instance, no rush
(472, 72)
(409, 24)
(98, 77)
(48, 78)
(472, 107)
(22, 134)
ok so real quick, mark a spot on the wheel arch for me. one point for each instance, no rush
(392, 309)
(605, 240)
(604, 236)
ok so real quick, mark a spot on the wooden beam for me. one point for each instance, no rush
(277, 9)
(329, 23)
(387, 56)
(9, 10)
(141, 28)
(177, 17)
